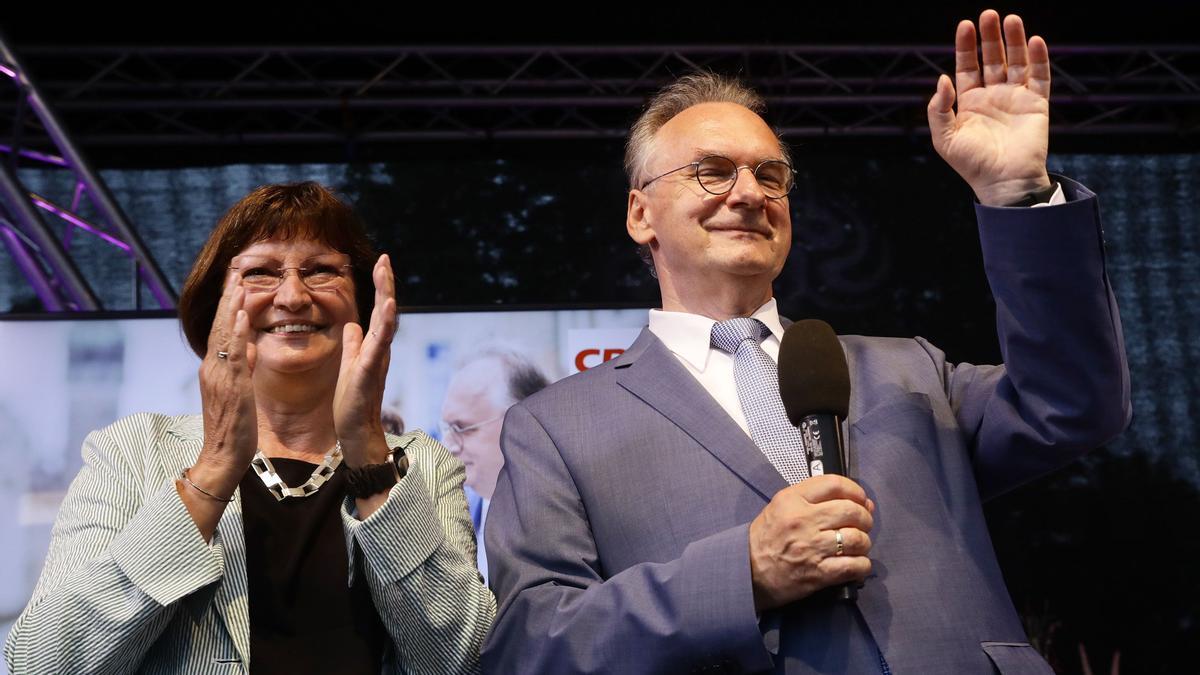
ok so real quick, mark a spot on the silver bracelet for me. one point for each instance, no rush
(183, 475)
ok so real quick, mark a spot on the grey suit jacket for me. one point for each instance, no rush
(617, 538)
(130, 586)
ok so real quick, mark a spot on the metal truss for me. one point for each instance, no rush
(238, 96)
(41, 255)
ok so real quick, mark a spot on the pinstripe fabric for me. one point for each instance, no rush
(130, 586)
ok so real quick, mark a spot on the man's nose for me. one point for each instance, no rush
(746, 189)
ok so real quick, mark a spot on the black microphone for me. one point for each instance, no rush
(814, 383)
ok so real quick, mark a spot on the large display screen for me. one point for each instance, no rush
(63, 379)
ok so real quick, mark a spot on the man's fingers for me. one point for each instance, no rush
(966, 58)
(941, 110)
(826, 488)
(992, 46)
(1016, 49)
(842, 569)
(839, 513)
(854, 541)
(1038, 80)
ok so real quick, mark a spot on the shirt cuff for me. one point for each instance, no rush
(400, 535)
(1055, 199)
(161, 550)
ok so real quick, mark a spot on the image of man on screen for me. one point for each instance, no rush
(480, 392)
(646, 520)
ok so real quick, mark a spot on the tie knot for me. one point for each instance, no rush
(729, 335)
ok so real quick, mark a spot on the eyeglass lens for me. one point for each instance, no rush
(266, 274)
(718, 175)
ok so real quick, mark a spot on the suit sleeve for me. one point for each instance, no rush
(119, 563)
(1064, 388)
(418, 552)
(561, 613)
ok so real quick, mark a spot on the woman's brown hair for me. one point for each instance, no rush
(283, 212)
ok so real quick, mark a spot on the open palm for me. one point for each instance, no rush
(998, 139)
(358, 398)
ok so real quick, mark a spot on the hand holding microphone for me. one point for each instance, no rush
(814, 534)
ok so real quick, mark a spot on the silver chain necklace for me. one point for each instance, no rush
(275, 485)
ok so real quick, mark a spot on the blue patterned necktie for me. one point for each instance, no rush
(757, 379)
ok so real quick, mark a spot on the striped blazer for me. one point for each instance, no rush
(130, 586)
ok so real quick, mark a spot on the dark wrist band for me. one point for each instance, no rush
(371, 479)
(1039, 197)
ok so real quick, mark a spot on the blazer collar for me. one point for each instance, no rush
(179, 449)
(651, 372)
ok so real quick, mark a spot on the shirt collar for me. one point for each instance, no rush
(687, 335)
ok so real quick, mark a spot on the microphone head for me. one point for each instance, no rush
(813, 376)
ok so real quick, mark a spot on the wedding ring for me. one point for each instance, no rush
(222, 355)
(837, 538)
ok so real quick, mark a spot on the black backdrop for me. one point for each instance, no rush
(1099, 557)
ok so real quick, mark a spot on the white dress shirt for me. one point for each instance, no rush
(687, 336)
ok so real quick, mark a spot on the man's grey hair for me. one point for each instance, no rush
(692, 89)
(523, 377)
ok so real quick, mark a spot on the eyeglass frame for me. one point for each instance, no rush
(448, 428)
(281, 274)
(736, 174)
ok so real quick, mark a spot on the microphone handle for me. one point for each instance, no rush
(826, 453)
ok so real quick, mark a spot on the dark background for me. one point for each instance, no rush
(1099, 557)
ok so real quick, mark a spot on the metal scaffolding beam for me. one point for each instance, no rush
(60, 273)
(237, 96)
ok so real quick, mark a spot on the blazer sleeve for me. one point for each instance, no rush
(418, 555)
(1064, 388)
(120, 561)
(561, 612)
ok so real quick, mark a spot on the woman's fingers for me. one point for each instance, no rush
(238, 339)
(232, 297)
(383, 315)
(352, 341)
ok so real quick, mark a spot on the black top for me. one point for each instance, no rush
(303, 618)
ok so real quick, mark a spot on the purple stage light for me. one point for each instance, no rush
(35, 155)
(75, 220)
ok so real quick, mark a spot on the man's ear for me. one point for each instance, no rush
(637, 218)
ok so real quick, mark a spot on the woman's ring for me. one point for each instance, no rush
(222, 355)
(837, 538)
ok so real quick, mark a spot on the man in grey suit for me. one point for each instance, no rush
(638, 526)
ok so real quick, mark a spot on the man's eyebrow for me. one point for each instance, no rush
(701, 153)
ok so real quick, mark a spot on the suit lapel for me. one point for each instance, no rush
(651, 372)
(230, 595)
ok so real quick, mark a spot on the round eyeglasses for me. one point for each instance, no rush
(453, 433)
(261, 274)
(717, 175)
